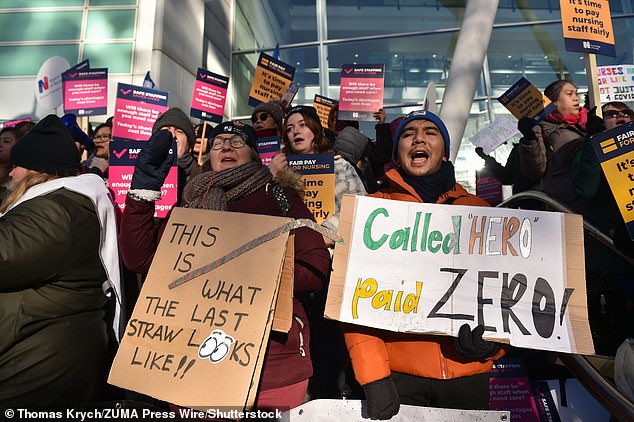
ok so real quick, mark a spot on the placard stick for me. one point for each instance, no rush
(594, 98)
(203, 144)
(83, 124)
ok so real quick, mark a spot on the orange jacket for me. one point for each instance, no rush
(376, 353)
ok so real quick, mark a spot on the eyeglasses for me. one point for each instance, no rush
(235, 141)
(101, 137)
(261, 117)
(615, 113)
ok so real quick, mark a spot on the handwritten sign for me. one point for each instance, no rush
(85, 92)
(268, 147)
(318, 177)
(323, 105)
(428, 268)
(360, 91)
(123, 156)
(587, 26)
(524, 100)
(202, 344)
(210, 94)
(615, 150)
(272, 78)
(495, 134)
(616, 83)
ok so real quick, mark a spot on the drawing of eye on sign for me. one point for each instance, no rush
(206, 309)
(430, 268)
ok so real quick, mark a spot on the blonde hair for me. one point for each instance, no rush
(32, 178)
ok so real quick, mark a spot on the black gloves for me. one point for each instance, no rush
(595, 124)
(470, 343)
(525, 125)
(382, 399)
(154, 162)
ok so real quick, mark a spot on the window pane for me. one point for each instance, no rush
(304, 60)
(534, 10)
(26, 60)
(112, 2)
(355, 18)
(40, 26)
(411, 63)
(22, 4)
(262, 24)
(116, 57)
(110, 24)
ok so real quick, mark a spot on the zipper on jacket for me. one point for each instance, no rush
(302, 352)
(443, 363)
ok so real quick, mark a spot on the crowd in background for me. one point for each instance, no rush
(72, 265)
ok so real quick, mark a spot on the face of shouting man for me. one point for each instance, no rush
(421, 148)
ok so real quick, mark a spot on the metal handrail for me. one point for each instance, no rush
(618, 405)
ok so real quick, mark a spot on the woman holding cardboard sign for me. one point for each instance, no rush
(238, 181)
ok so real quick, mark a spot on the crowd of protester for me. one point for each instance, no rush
(62, 277)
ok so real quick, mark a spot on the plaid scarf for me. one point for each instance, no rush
(214, 190)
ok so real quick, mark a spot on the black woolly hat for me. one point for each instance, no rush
(47, 148)
(247, 132)
(177, 118)
(307, 111)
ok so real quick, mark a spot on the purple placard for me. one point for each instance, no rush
(210, 93)
(135, 111)
(268, 148)
(85, 91)
(123, 156)
(510, 389)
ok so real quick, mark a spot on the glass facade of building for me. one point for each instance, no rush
(415, 40)
(99, 30)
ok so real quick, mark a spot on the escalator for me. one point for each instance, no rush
(581, 367)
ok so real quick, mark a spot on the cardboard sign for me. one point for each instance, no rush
(524, 100)
(323, 105)
(268, 147)
(429, 268)
(318, 177)
(210, 94)
(272, 78)
(615, 150)
(495, 134)
(202, 343)
(360, 91)
(616, 83)
(135, 111)
(85, 91)
(123, 156)
(587, 26)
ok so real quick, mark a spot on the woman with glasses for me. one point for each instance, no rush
(239, 182)
(101, 138)
(547, 148)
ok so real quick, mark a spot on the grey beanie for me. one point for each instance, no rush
(274, 108)
(351, 144)
(177, 118)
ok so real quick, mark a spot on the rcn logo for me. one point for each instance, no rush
(586, 44)
(42, 84)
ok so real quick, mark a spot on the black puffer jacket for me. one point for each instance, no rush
(53, 337)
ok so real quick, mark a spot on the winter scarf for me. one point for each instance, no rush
(572, 119)
(431, 187)
(213, 190)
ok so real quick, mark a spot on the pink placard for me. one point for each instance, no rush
(210, 93)
(123, 155)
(360, 91)
(85, 92)
(136, 110)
